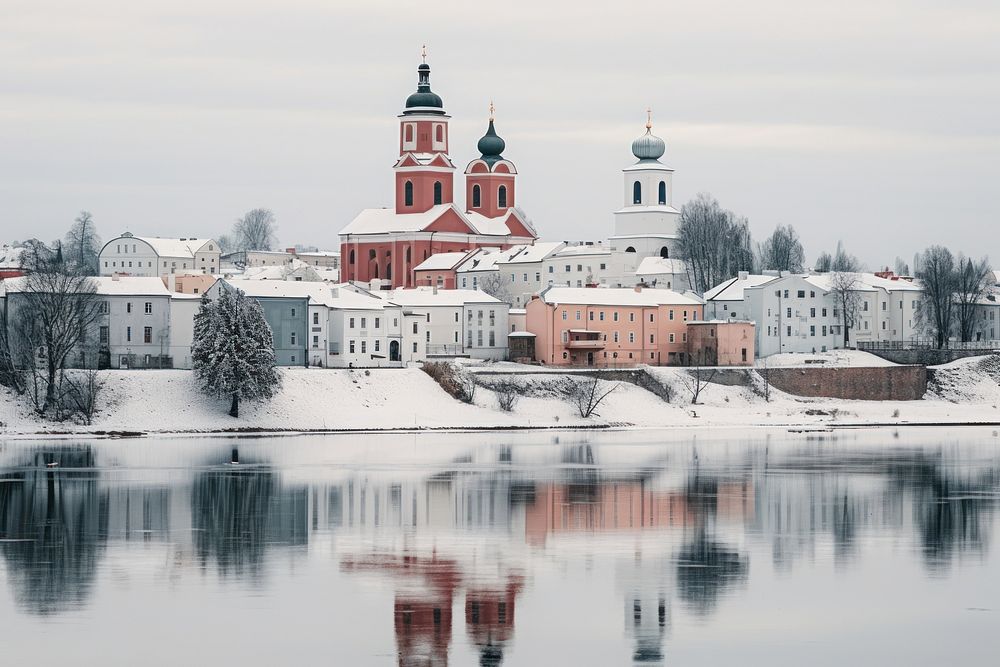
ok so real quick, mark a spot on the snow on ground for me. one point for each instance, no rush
(825, 359)
(326, 399)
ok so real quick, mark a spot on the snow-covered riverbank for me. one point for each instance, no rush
(167, 401)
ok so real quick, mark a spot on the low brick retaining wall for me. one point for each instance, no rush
(879, 383)
(927, 357)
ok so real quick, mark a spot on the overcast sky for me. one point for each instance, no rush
(875, 122)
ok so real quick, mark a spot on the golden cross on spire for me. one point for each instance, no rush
(423, 53)
(649, 118)
(491, 111)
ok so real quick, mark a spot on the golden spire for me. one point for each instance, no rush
(649, 118)
(491, 111)
(423, 53)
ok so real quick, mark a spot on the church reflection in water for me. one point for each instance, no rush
(457, 542)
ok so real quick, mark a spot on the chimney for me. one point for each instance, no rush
(743, 275)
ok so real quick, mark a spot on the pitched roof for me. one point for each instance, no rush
(383, 220)
(173, 247)
(617, 296)
(441, 261)
(536, 252)
(332, 296)
(732, 289)
(428, 296)
(652, 266)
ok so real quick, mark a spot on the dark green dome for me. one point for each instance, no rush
(424, 100)
(491, 145)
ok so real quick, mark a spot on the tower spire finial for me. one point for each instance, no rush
(649, 118)
(423, 53)
(491, 111)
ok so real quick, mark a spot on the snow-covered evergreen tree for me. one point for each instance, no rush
(233, 349)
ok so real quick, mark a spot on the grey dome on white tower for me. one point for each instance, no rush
(649, 146)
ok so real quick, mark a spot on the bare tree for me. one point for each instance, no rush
(497, 284)
(715, 243)
(587, 396)
(844, 288)
(696, 378)
(256, 230)
(765, 375)
(843, 261)
(783, 251)
(82, 246)
(468, 383)
(937, 275)
(52, 315)
(900, 267)
(82, 391)
(972, 280)
(507, 392)
(823, 262)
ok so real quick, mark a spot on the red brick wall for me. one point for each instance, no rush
(885, 383)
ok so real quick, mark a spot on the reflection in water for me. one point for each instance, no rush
(460, 541)
(53, 523)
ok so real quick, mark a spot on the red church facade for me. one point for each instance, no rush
(388, 243)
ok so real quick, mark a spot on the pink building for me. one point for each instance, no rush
(721, 343)
(611, 326)
(439, 270)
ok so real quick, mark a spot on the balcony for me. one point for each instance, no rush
(584, 339)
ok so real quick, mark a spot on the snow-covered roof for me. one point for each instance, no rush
(647, 209)
(750, 322)
(520, 334)
(441, 261)
(428, 296)
(383, 220)
(536, 252)
(282, 271)
(325, 294)
(487, 259)
(185, 247)
(107, 285)
(582, 250)
(617, 296)
(518, 311)
(318, 253)
(654, 266)
(732, 289)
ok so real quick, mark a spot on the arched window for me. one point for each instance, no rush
(637, 193)
(437, 192)
(665, 252)
(408, 193)
(502, 197)
(439, 133)
(407, 254)
(352, 257)
(663, 192)
(371, 255)
(477, 196)
(409, 133)
(630, 249)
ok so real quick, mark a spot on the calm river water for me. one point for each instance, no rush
(573, 548)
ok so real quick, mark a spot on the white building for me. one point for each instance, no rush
(129, 255)
(326, 259)
(578, 266)
(726, 300)
(348, 327)
(661, 273)
(458, 322)
(801, 312)
(522, 264)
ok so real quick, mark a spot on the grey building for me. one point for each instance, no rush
(288, 316)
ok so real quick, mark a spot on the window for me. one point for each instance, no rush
(149, 308)
(315, 341)
(788, 312)
(502, 197)
(591, 316)
(651, 317)
(377, 322)
(479, 338)
(364, 322)
(414, 327)
(671, 338)
(662, 193)
(812, 312)
(670, 315)
(565, 315)
(364, 346)
(350, 258)
(414, 347)
(631, 317)
(637, 193)
(600, 316)
(408, 136)
(579, 267)
(824, 312)
(866, 307)
(350, 325)
(630, 249)
(147, 335)
(128, 307)
(293, 312)
(104, 308)
(128, 334)
(408, 193)
(104, 335)
(477, 196)
(428, 336)
(377, 346)
(801, 294)
(293, 338)
(493, 339)
(315, 318)
(437, 192)
(650, 339)
(568, 268)
(551, 268)
(665, 252)
(439, 133)
(812, 330)
(614, 316)
(631, 337)
(350, 346)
